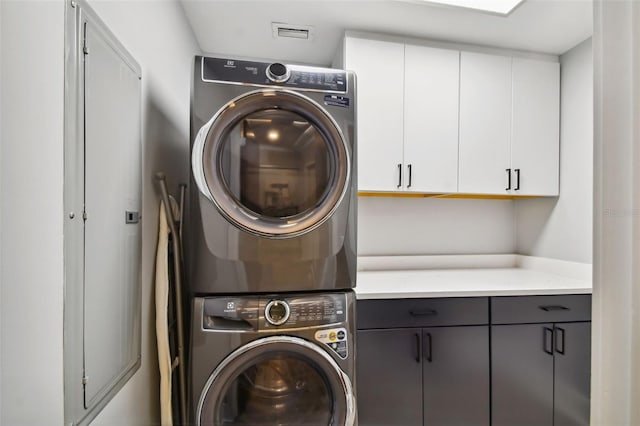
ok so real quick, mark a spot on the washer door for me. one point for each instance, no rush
(279, 380)
(273, 162)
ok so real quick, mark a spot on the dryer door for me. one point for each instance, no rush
(273, 162)
(279, 380)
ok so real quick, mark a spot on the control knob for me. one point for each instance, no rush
(278, 73)
(277, 312)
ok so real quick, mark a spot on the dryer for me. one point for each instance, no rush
(281, 359)
(273, 197)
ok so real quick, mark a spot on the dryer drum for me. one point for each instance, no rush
(277, 380)
(273, 162)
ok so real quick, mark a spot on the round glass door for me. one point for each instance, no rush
(277, 381)
(273, 162)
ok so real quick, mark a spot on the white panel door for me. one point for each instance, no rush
(112, 188)
(431, 119)
(485, 123)
(379, 68)
(535, 144)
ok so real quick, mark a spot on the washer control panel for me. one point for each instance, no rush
(234, 71)
(303, 311)
(274, 312)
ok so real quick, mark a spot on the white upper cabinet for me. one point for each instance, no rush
(379, 68)
(485, 123)
(434, 120)
(535, 134)
(431, 119)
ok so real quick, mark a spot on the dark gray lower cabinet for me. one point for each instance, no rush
(423, 362)
(541, 374)
(447, 362)
(521, 376)
(434, 376)
(456, 376)
(572, 375)
(389, 377)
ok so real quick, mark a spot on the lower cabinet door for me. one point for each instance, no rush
(572, 374)
(456, 376)
(389, 377)
(522, 374)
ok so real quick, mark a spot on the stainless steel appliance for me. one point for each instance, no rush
(274, 360)
(273, 194)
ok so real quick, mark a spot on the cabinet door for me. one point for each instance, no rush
(572, 374)
(485, 123)
(380, 111)
(535, 145)
(522, 375)
(389, 377)
(456, 376)
(431, 119)
(112, 243)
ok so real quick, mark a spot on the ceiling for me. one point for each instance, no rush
(242, 28)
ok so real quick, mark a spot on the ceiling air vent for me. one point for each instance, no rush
(301, 32)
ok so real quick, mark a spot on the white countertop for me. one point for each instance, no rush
(519, 275)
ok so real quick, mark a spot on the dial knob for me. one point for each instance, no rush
(277, 312)
(278, 73)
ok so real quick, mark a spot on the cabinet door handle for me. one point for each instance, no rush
(547, 340)
(429, 351)
(399, 175)
(423, 313)
(508, 179)
(551, 308)
(517, 188)
(409, 167)
(418, 348)
(559, 346)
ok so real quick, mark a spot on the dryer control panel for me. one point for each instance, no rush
(220, 70)
(274, 312)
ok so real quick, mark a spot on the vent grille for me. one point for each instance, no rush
(300, 32)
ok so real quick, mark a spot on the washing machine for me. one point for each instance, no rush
(273, 196)
(273, 360)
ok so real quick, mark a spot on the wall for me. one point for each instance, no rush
(615, 362)
(1, 400)
(157, 34)
(407, 226)
(31, 203)
(561, 228)
(31, 191)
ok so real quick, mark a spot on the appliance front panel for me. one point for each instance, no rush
(225, 255)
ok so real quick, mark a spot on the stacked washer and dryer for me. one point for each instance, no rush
(271, 244)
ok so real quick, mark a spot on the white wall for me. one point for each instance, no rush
(157, 34)
(32, 208)
(31, 191)
(561, 228)
(1, 209)
(615, 363)
(407, 226)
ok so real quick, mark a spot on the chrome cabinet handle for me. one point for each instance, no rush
(517, 188)
(509, 179)
(399, 175)
(409, 167)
